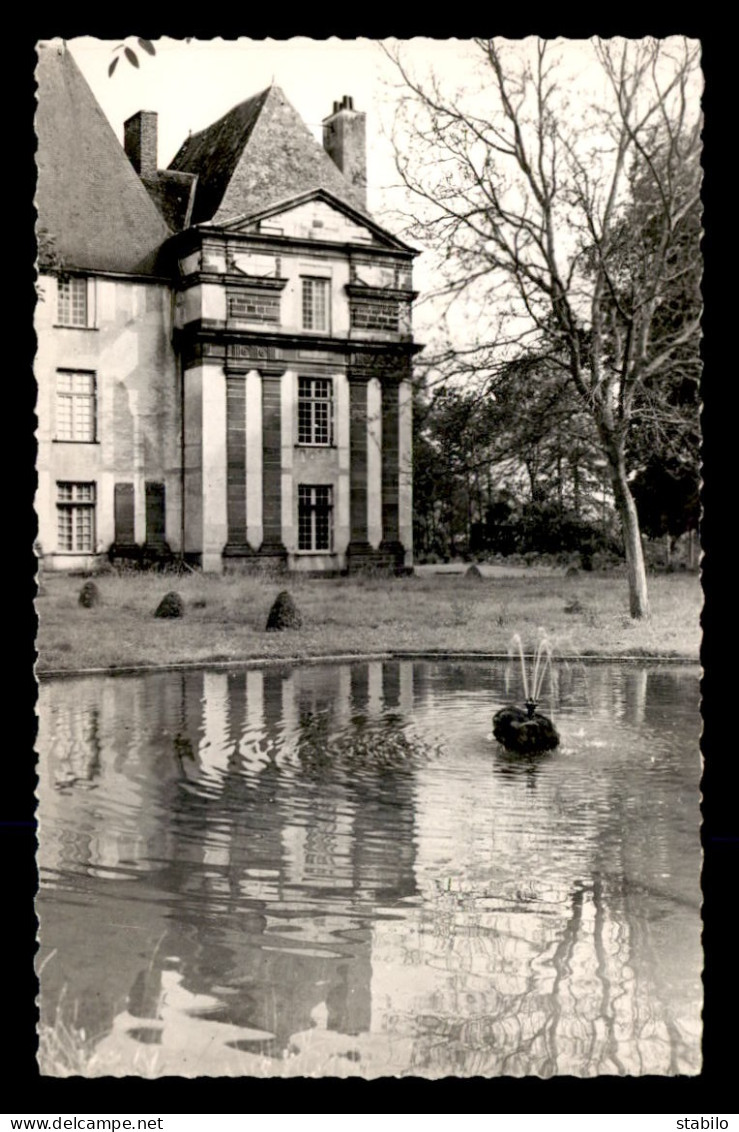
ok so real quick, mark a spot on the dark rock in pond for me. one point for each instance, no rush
(284, 614)
(523, 733)
(89, 595)
(473, 572)
(171, 605)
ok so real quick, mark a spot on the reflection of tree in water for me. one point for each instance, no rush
(536, 1001)
(370, 749)
(76, 746)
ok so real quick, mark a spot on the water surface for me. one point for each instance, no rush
(337, 871)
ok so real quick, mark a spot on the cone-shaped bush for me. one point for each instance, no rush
(284, 614)
(171, 605)
(89, 595)
(473, 572)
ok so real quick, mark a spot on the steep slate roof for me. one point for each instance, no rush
(260, 153)
(92, 207)
(173, 195)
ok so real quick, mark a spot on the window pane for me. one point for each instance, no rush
(315, 303)
(76, 517)
(82, 418)
(315, 410)
(84, 528)
(64, 418)
(72, 302)
(321, 422)
(65, 528)
(308, 304)
(304, 422)
(314, 517)
(75, 406)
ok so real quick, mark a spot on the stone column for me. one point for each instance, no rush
(272, 545)
(374, 462)
(390, 544)
(254, 487)
(215, 516)
(288, 392)
(359, 550)
(192, 503)
(205, 502)
(342, 508)
(405, 469)
(236, 461)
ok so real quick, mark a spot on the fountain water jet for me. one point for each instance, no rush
(527, 731)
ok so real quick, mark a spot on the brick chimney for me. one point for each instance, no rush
(140, 142)
(344, 139)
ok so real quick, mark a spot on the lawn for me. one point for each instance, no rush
(225, 617)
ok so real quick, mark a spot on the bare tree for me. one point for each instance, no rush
(529, 194)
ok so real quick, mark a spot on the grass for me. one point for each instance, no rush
(225, 617)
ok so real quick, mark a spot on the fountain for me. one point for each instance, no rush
(527, 732)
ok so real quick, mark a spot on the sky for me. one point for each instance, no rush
(190, 85)
(193, 84)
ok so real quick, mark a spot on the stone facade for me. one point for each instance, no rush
(245, 401)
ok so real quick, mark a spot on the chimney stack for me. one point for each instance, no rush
(140, 143)
(344, 139)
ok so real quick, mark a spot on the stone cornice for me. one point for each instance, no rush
(232, 279)
(197, 331)
(363, 291)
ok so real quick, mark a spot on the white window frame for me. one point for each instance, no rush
(311, 286)
(309, 509)
(77, 502)
(74, 397)
(75, 302)
(311, 397)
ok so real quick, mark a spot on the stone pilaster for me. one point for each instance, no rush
(236, 460)
(405, 469)
(374, 462)
(272, 544)
(288, 394)
(206, 496)
(391, 544)
(254, 487)
(358, 551)
(215, 514)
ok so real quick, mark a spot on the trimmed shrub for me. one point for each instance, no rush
(89, 595)
(171, 605)
(473, 572)
(284, 614)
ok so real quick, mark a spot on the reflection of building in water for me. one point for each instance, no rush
(257, 878)
(241, 855)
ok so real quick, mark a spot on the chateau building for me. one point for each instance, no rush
(224, 347)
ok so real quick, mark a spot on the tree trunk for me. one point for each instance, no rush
(635, 569)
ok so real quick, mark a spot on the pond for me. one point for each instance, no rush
(336, 871)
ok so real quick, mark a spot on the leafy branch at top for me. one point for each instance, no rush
(123, 50)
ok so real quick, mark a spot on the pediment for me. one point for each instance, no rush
(317, 216)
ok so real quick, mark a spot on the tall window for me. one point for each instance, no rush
(315, 517)
(315, 303)
(315, 410)
(76, 517)
(72, 301)
(75, 406)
